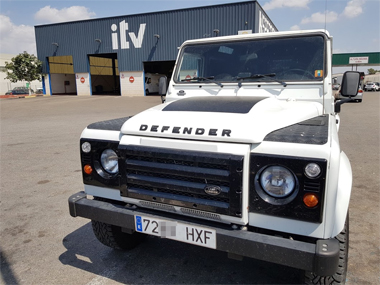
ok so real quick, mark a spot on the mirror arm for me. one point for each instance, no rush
(339, 103)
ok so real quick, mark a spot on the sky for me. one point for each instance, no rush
(354, 25)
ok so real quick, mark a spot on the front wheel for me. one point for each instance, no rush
(114, 237)
(340, 275)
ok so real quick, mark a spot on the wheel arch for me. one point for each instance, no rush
(343, 194)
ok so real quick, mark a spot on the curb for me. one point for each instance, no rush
(21, 96)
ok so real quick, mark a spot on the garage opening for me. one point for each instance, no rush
(62, 77)
(104, 72)
(154, 70)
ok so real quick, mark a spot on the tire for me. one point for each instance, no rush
(340, 275)
(112, 236)
(146, 92)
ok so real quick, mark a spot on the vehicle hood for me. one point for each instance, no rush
(225, 119)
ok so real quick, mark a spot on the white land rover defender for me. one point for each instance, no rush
(243, 157)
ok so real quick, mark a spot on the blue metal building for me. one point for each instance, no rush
(116, 55)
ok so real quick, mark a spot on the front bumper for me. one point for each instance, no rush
(321, 257)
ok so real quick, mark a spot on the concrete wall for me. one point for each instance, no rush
(83, 84)
(132, 83)
(372, 77)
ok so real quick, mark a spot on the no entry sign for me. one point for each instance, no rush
(131, 79)
(82, 80)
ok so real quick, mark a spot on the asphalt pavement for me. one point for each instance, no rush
(40, 243)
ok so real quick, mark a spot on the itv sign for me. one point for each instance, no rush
(124, 42)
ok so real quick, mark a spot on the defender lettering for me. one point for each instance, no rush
(185, 130)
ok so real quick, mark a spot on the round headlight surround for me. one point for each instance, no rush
(109, 161)
(271, 199)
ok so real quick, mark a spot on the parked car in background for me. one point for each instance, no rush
(152, 83)
(372, 86)
(19, 91)
(39, 91)
(336, 86)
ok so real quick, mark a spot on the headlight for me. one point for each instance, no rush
(277, 181)
(312, 170)
(109, 161)
(86, 147)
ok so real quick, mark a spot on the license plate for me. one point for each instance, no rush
(176, 231)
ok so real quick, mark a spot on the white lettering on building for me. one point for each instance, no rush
(124, 43)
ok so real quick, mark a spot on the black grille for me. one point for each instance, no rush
(312, 186)
(179, 178)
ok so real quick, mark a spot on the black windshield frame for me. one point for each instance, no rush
(290, 58)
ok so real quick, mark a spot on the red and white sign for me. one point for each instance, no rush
(188, 77)
(355, 60)
(131, 79)
(82, 80)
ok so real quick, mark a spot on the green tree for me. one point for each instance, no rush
(372, 71)
(24, 66)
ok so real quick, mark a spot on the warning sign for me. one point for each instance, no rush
(131, 79)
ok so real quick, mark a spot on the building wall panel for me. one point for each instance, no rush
(82, 38)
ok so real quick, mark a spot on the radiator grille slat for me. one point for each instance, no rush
(171, 184)
(180, 170)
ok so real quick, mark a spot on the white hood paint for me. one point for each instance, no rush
(266, 116)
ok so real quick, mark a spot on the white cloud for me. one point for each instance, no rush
(319, 17)
(48, 14)
(16, 39)
(354, 8)
(295, 28)
(275, 4)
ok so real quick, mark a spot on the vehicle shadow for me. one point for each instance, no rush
(163, 261)
(7, 274)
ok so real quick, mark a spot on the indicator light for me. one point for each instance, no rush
(87, 169)
(310, 200)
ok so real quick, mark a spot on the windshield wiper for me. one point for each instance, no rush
(209, 79)
(254, 76)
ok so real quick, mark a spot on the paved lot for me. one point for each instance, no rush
(42, 244)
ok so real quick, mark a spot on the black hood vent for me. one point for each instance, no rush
(219, 104)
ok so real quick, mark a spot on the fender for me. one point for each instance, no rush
(343, 194)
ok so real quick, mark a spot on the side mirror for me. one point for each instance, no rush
(349, 87)
(350, 83)
(162, 85)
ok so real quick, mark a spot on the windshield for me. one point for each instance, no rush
(278, 59)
